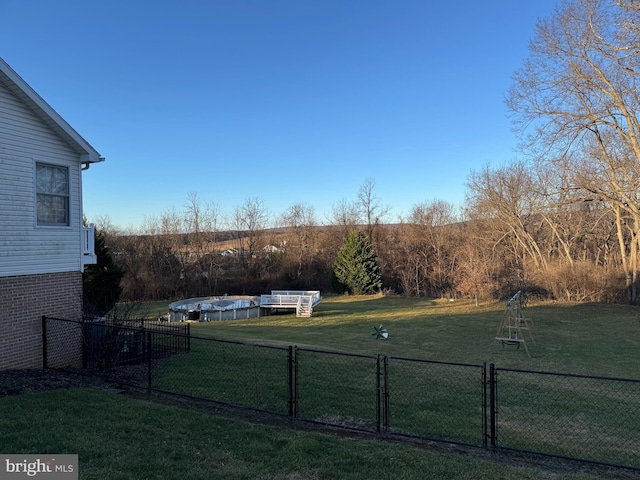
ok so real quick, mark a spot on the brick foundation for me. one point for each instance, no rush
(23, 301)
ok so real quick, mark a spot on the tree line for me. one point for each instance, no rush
(562, 221)
(501, 242)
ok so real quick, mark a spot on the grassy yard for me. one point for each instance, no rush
(432, 400)
(120, 437)
(585, 338)
(576, 417)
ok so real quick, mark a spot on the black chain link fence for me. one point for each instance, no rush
(125, 352)
(338, 389)
(232, 373)
(436, 400)
(63, 344)
(574, 416)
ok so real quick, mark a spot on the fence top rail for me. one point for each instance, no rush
(332, 352)
(171, 330)
(147, 324)
(573, 375)
(46, 317)
(237, 342)
(437, 362)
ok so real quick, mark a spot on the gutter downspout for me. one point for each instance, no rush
(86, 165)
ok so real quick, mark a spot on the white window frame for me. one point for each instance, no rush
(66, 197)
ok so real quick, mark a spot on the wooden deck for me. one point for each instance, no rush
(303, 301)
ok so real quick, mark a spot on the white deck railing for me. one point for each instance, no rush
(290, 299)
(88, 245)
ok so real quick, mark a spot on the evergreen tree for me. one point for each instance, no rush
(101, 282)
(356, 269)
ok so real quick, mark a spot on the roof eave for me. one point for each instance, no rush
(47, 114)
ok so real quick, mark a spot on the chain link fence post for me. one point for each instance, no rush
(149, 358)
(378, 394)
(44, 342)
(291, 381)
(484, 406)
(493, 394)
(295, 382)
(385, 392)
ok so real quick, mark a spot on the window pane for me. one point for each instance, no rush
(52, 192)
(59, 184)
(43, 178)
(51, 179)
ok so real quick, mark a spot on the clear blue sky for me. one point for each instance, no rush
(290, 101)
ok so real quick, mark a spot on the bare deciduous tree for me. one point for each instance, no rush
(250, 220)
(433, 250)
(371, 210)
(507, 196)
(578, 97)
(299, 220)
(202, 223)
(344, 214)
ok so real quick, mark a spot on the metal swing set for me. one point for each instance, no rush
(514, 324)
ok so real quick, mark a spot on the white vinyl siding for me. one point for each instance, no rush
(25, 247)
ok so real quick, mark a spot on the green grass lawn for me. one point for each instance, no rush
(574, 338)
(121, 437)
(582, 418)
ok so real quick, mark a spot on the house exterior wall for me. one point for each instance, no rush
(40, 266)
(26, 248)
(23, 301)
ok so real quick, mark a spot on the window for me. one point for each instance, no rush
(52, 194)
